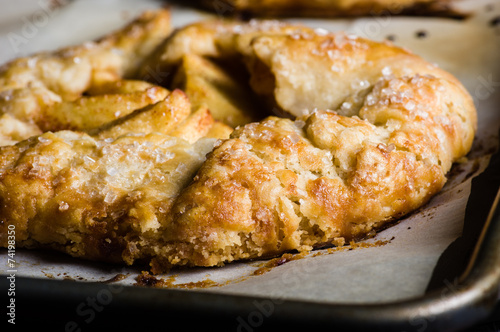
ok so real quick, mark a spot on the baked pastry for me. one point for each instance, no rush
(377, 129)
(330, 8)
(370, 132)
(37, 92)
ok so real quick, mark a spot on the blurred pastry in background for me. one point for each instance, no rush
(330, 8)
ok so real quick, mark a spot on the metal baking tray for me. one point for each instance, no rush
(463, 291)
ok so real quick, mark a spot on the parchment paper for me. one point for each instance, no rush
(397, 270)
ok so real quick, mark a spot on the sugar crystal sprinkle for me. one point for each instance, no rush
(386, 71)
(63, 206)
(44, 140)
(410, 105)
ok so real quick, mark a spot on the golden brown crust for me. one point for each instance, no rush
(375, 129)
(270, 189)
(97, 199)
(397, 125)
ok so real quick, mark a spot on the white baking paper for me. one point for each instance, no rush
(401, 268)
